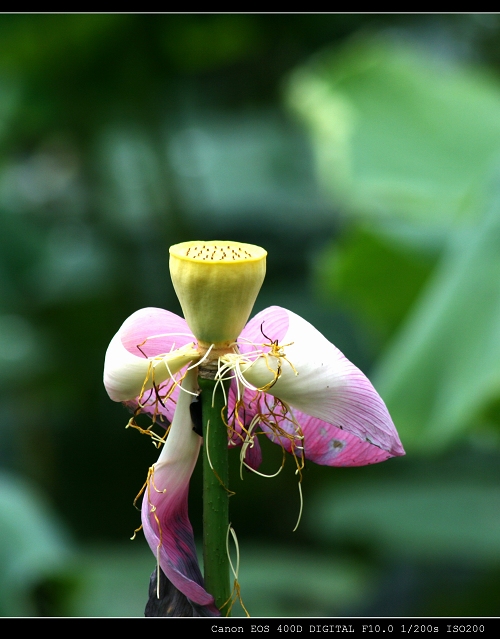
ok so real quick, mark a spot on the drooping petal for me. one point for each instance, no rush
(323, 443)
(315, 378)
(165, 505)
(170, 602)
(147, 333)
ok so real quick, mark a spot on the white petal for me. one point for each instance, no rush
(183, 444)
(125, 374)
(328, 386)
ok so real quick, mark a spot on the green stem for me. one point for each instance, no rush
(215, 494)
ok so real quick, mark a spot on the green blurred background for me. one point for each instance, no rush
(363, 152)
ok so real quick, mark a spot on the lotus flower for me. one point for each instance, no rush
(287, 380)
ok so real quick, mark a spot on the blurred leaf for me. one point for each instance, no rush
(443, 369)
(38, 42)
(205, 42)
(399, 133)
(374, 277)
(411, 518)
(277, 582)
(114, 582)
(22, 346)
(33, 546)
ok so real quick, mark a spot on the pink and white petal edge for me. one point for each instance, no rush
(326, 444)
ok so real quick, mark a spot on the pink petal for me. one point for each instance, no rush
(150, 332)
(270, 324)
(154, 331)
(240, 420)
(326, 444)
(253, 454)
(327, 385)
(165, 505)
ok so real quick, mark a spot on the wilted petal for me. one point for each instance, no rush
(327, 385)
(148, 333)
(171, 602)
(165, 505)
(326, 444)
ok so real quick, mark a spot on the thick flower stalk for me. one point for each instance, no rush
(284, 380)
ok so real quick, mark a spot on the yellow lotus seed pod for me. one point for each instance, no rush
(217, 284)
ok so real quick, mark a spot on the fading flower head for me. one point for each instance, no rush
(287, 381)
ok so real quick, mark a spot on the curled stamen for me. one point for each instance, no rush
(139, 494)
(230, 492)
(152, 509)
(135, 533)
(279, 419)
(147, 484)
(249, 441)
(240, 363)
(157, 439)
(236, 592)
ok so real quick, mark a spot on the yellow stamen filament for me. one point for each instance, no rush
(139, 494)
(147, 484)
(236, 592)
(230, 492)
(244, 447)
(237, 364)
(158, 440)
(301, 503)
(135, 533)
(202, 359)
(150, 481)
(152, 510)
